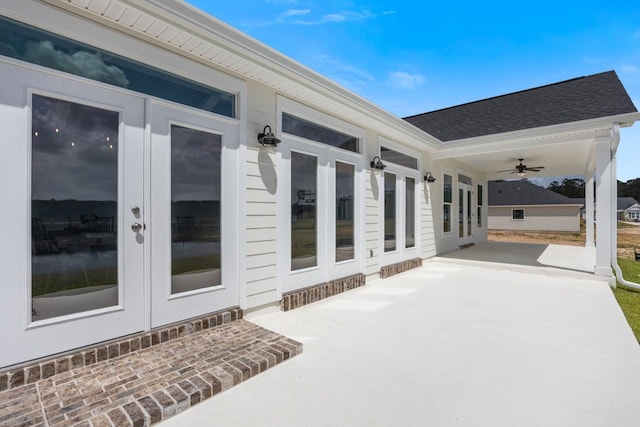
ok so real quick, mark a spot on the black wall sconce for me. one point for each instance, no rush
(377, 164)
(267, 138)
(429, 178)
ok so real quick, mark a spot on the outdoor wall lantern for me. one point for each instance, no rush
(377, 164)
(429, 178)
(267, 138)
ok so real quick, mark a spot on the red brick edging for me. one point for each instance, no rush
(302, 297)
(400, 267)
(43, 369)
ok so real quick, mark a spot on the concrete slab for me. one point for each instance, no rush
(448, 344)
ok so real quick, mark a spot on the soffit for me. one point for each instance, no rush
(184, 29)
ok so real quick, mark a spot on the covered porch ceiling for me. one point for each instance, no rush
(567, 149)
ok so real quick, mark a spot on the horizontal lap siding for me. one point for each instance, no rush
(372, 224)
(536, 218)
(427, 231)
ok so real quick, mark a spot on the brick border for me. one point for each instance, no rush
(45, 368)
(400, 267)
(302, 297)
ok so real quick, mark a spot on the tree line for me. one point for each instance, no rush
(574, 188)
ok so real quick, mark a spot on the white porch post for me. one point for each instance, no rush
(588, 204)
(605, 213)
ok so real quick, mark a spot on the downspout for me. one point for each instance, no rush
(615, 139)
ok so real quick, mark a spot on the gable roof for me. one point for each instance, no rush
(625, 203)
(524, 193)
(582, 98)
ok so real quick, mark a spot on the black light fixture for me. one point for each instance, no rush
(267, 138)
(429, 178)
(377, 164)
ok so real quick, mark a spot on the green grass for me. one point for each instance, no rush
(629, 300)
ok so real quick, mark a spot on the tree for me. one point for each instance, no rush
(630, 188)
(570, 187)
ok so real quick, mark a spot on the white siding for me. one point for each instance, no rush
(536, 218)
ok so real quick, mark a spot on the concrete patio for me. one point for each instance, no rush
(457, 342)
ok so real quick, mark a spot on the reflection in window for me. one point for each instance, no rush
(40, 47)
(344, 211)
(195, 209)
(315, 132)
(447, 192)
(469, 221)
(410, 213)
(389, 155)
(304, 233)
(74, 192)
(389, 212)
(461, 212)
(480, 196)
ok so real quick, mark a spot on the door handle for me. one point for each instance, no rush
(136, 227)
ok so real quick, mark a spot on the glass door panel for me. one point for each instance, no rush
(193, 196)
(345, 210)
(74, 208)
(304, 212)
(195, 209)
(389, 212)
(410, 213)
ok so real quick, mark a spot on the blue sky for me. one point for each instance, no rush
(415, 56)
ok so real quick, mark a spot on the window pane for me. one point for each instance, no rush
(460, 212)
(393, 156)
(469, 212)
(195, 209)
(479, 216)
(304, 234)
(410, 213)
(318, 133)
(345, 175)
(447, 189)
(518, 213)
(74, 193)
(37, 46)
(480, 197)
(446, 219)
(389, 212)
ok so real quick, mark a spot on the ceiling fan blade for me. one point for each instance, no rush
(536, 168)
(508, 170)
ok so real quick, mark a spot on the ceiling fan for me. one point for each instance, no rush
(522, 169)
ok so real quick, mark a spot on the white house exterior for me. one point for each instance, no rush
(524, 206)
(137, 195)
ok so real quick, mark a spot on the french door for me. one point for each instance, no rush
(465, 209)
(109, 228)
(318, 233)
(73, 239)
(193, 190)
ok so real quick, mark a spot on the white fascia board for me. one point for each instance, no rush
(540, 136)
(191, 20)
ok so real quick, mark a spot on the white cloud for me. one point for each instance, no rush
(295, 12)
(342, 17)
(347, 75)
(629, 69)
(405, 80)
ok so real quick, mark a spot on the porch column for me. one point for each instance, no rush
(605, 210)
(588, 204)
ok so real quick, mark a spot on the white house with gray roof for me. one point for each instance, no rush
(158, 165)
(523, 206)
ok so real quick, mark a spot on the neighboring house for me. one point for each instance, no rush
(524, 206)
(143, 184)
(628, 209)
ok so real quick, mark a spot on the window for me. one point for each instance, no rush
(315, 132)
(304, 187)
(401, 159)
(480, 196)
(345, 193)
(39, 47)
(517, 214)
(410, 213)
(447, 193)
(389, 212)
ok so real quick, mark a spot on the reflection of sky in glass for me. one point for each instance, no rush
(393, 156)
(315, 132)
(195, 165)
(33, 45)
(75, 151)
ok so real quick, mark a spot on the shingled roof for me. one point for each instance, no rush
(524, 193)
(582, 98)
